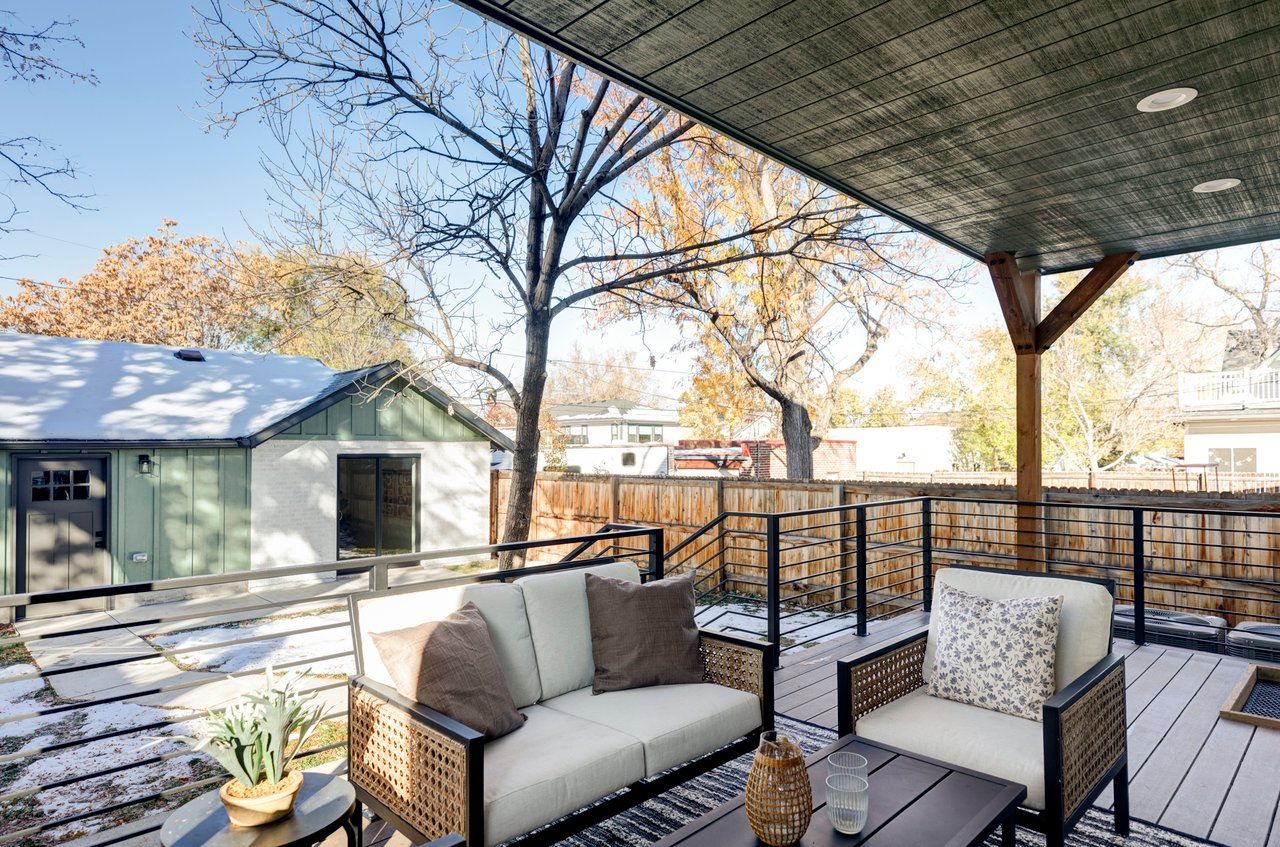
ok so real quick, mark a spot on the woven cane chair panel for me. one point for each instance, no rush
(1093, 739)
(418, 773)
(732, 665)
(882, 680)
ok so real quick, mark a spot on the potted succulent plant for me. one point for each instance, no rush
(255, 740)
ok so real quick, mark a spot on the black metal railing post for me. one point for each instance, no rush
(926, 551)
(656, 549)
(860, 526)
(1139, 578)
(773, 579)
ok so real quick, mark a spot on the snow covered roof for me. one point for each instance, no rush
(77, 390)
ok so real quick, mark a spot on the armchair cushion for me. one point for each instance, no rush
(642, 635)
(981, 739)
(675, 723)
(1084, 631)
(997, 654)
(555, 765)
(556, 604)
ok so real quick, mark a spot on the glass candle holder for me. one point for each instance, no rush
(847, 802)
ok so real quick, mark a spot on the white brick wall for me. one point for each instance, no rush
(294, 496)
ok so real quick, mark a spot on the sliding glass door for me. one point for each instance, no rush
(377, 505)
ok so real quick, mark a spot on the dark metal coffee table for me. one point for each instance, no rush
(914, 802)
(325, 804)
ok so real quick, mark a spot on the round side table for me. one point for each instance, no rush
(324, 805)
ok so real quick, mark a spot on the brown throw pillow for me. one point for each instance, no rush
(450, 666)
(642, 634)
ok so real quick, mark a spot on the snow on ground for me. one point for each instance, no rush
(23, 696)
(273, 651)
(749, 619)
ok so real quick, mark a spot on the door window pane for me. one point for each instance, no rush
(398, 506)
(357, 508)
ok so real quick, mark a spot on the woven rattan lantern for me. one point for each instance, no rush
(779, 797)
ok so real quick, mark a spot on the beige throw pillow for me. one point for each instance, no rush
(450, 666)
(642, 635)
(997, 654)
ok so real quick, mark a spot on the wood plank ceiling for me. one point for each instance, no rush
(1001, 125)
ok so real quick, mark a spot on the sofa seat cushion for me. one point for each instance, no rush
(554, 765)
(980, 739)
(560, 624)
(675, 723)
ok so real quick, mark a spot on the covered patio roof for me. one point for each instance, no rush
(995, 127)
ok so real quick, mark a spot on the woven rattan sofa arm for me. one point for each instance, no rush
(878, 676)
(1085, 737)
(421, 770)
(741, 663)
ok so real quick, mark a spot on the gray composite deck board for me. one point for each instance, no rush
(1190, 770)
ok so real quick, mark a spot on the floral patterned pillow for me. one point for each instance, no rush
(996, 654)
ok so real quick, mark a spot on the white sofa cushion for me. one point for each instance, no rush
(553, 765)
(980, 739)
(676, 723)
(501, 606)
(1084, 629)
(560, 624)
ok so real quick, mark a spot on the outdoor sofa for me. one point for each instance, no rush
(433, 778)
(1065, 761)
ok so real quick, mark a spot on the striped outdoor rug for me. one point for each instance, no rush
(650, 821)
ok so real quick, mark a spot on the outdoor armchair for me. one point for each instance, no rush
(1066, 761)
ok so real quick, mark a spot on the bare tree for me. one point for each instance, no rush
(812, 307)
(26, 55)
(1253, 295)
(480, 168)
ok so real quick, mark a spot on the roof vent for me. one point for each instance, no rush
(189, 355)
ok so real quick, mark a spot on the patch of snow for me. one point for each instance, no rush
(738, 618)
(17, 697)
(273, 651)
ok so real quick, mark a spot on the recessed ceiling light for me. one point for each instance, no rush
(1164, 100)
(1216, 185)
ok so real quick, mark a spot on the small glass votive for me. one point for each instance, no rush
(847, 802)
(845, 761)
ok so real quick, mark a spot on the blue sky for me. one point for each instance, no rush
(136, 137)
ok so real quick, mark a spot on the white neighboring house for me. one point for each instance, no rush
(617, 437)
(1232, 418)
(901, 449)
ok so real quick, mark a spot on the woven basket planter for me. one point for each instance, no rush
(779, 797)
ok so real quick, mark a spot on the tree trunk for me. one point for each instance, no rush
(524, 464)
(797, 431)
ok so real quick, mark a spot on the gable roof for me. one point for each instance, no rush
(81, 391)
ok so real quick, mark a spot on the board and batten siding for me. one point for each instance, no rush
(190, 516)
(295, 475)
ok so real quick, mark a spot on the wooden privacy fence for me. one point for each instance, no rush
(1216, 553)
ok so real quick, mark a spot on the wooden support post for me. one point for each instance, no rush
(1019, 296)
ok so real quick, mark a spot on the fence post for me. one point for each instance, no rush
(657, 548)
(860, 523)
(773, 580)
(1139, 578)
(926, 551)
(378, 577)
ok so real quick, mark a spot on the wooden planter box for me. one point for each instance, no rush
(1233, 709)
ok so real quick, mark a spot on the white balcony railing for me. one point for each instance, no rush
(1255, 389)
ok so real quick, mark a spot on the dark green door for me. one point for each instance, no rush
(62, 529)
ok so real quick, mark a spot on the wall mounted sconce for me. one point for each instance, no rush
(144, 464)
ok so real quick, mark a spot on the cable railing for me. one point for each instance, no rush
(90, 701)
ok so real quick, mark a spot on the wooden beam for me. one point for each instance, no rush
(1029, 439)
(1079, 299)
(1019, 315)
